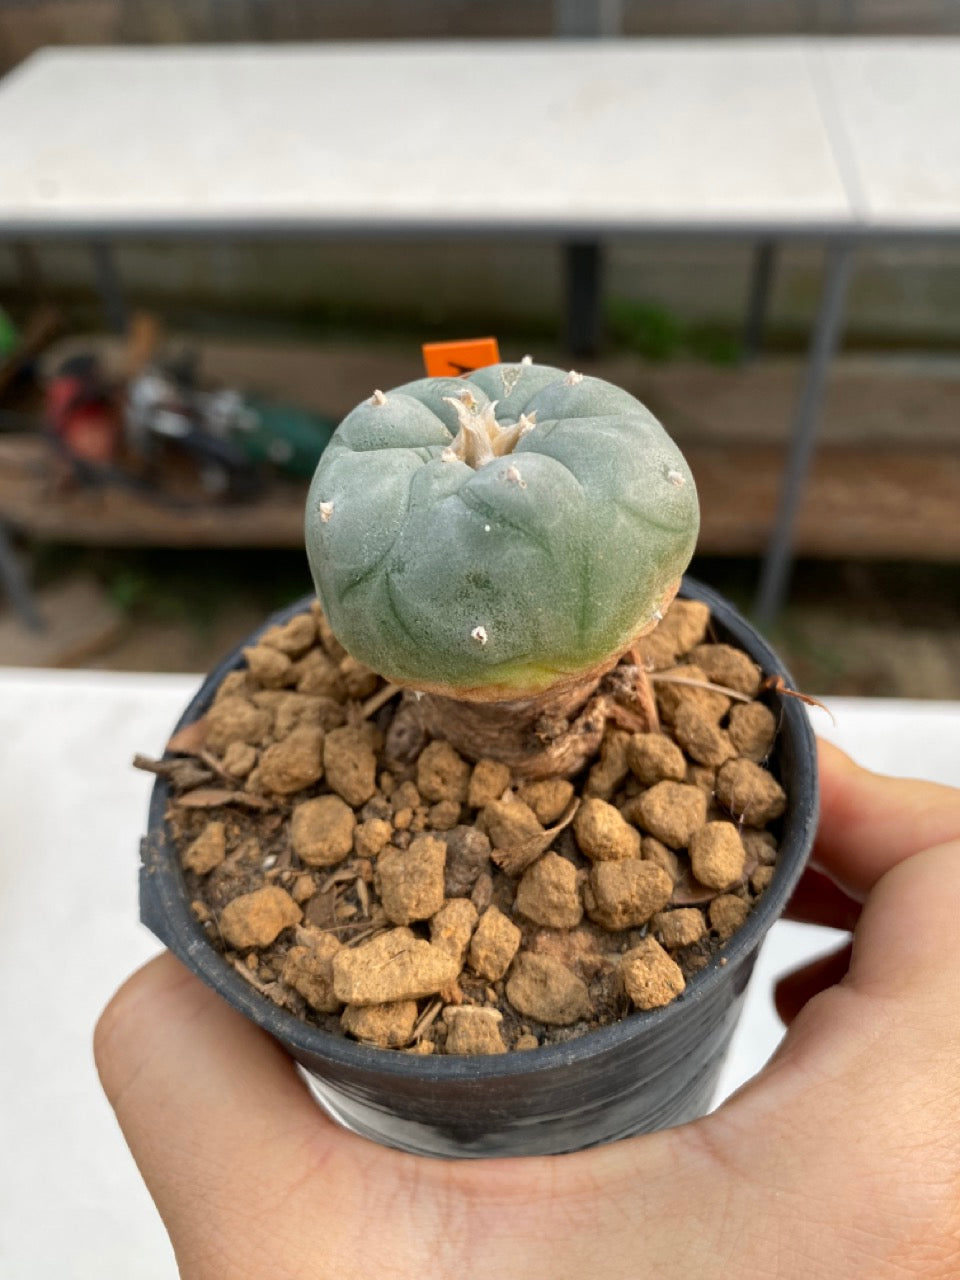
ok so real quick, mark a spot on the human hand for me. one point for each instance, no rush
(840, 1160)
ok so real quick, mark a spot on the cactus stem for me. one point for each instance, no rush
(326, 511)
(378, 398)
(556, 731)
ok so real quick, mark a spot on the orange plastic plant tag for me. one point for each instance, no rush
(453, 359)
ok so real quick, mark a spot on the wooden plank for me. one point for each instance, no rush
(886, 502)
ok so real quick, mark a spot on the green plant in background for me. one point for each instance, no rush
(9, 335)
(499, 538)
(657, 334)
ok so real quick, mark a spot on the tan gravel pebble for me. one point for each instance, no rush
(488, 781)
(411, 880)
(728, 666)
(717, 855)
(672, 811)
(358, 681)
(442, 774)
(389, 1026)
(752, 728)
(603, 833)
(510, 823)
(288, 766)
(350, 764)
(548, 893)
(468, 854)
(238, 759)
(761, 879)
(495, 942)
(680, 928)
(760, 846)
(624, 895)
(700, 738)
(703, 776)
(727, 914)
(392, 966)
(672, 693)
(208, 850)
(471, 1030)
(686, 622)
(371, 836)
(650, 977)
(236, 719)
(309, 970)
(546, 990)
(316, 673)
(526, 1041)
(256, 919)
(652, 757)
(444, 815)
(548, 798)
(750, 793)
(654, 850)
(269, 667)
(452, 927)
(293, 638)
(322, 830)
(611, 769)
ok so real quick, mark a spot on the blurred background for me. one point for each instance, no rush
(163, 397)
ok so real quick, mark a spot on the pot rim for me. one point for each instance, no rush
(165, 904)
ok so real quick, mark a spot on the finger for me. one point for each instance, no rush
(214, 1112)
(817, 900)
(794, 990)
(869, 823)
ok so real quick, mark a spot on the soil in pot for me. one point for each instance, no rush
(379, 885)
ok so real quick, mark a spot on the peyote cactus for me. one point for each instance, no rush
(493, 537)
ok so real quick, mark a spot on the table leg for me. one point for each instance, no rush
(584, 297)
(14, 582)
(775, 574)
(109, 286)
(758, 304)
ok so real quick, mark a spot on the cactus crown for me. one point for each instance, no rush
(492, 536)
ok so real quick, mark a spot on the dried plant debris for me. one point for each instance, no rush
(381, 886)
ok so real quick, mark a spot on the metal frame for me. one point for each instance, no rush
(14, 582)
(775, 573)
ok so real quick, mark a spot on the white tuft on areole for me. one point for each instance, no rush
(479, 634)
(512, 476)
(326, 511)
(677, 479)
(378, 398)
(573, 379)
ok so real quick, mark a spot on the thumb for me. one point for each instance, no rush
(216, 1116)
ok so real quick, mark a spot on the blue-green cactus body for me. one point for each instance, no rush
(516, 572)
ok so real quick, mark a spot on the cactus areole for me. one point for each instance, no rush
(500, 537)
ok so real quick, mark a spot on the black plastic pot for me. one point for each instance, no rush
(647, 1072)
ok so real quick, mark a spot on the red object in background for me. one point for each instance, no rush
(82, 412)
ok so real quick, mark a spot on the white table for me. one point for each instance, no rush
(71, 812)
(576, 139)
(573, 138)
